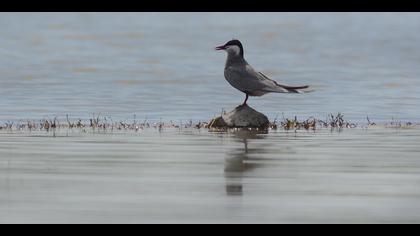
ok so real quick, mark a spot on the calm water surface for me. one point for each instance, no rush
(162, 66)
(192, 176)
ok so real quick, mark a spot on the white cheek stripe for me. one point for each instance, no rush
(234, 49)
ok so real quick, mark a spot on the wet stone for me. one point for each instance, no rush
(242, 116)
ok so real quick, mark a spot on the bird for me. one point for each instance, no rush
(243, 77)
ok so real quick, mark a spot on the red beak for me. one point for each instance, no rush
(220, 47)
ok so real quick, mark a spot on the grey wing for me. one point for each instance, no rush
(282, 88)
(247, 79)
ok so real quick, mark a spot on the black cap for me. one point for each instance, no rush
(236, 43)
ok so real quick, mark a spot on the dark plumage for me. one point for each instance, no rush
(243, 77)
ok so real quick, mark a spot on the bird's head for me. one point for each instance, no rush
(233, 47)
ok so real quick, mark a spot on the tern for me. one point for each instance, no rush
(243, 77)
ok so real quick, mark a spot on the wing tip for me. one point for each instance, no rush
(299, 89)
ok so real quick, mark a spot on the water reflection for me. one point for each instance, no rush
(238, 160)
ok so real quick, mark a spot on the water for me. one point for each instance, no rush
(192, 176)
(162, 66)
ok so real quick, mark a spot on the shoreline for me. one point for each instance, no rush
(105, 125)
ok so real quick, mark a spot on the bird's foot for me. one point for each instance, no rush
(243, 104)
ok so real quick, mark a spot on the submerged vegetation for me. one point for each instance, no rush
(106, 124)
(313, 123)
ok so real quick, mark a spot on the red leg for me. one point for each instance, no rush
(246, 99)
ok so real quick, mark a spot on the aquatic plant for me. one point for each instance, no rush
(100, 123)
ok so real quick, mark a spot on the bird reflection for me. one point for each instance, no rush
(237, 161)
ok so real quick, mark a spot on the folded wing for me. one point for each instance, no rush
(281, 88)
(248, 80)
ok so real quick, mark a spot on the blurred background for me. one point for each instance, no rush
(163, 65)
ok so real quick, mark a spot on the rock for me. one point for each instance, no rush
(242, 116)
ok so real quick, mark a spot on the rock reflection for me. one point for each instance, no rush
(237, 161)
